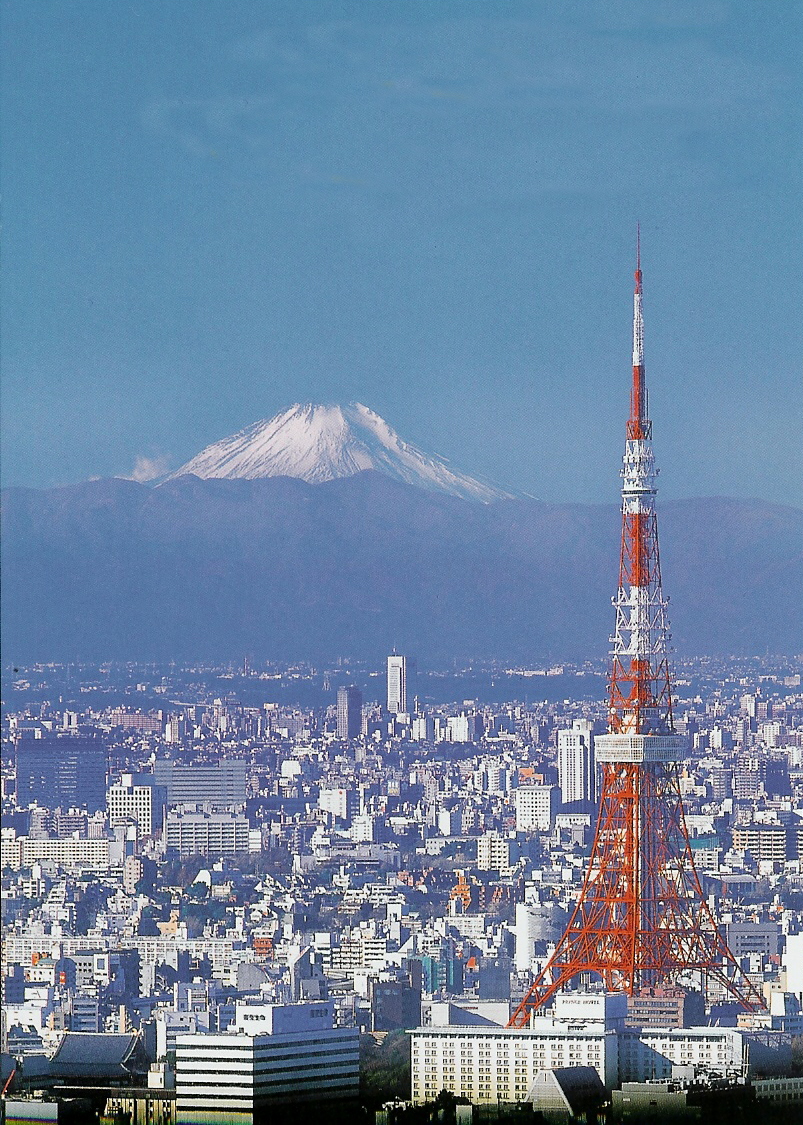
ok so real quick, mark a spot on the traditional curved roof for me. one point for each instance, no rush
(88, 1055)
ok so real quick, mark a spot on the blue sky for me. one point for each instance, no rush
(215, 209)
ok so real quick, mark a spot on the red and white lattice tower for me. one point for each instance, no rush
(641, 920)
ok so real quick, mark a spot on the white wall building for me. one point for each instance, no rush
(499, 1064)
(793, 963)
(536, 922)
(536, 806)
(128, 801)
(341, 803)
(450, 821)
(290, 1053)
(652, 1052)
(169, 1025)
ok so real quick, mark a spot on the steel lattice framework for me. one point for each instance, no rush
(641, 920)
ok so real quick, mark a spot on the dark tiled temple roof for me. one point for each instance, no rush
(87, 1055)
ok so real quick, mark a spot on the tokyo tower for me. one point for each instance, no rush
(641, 920)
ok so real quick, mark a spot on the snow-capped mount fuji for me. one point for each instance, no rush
(320, 443)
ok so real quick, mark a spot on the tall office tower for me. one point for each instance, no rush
(349, 712)
(401, 685)
(576, 763)
(641, 921)
(61, 770)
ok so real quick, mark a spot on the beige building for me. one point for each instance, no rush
(92, 855)
(763, 841)
(493, 852)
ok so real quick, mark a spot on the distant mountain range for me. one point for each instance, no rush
(283, 569)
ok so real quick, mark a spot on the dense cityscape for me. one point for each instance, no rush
(197, 858)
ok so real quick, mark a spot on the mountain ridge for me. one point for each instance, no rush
(213, 568)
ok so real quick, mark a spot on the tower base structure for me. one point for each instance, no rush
(642, 920)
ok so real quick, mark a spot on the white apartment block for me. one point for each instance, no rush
(224, 953)
(205, 833)
(357, 951)
(493, 852)
(290, 1054)
(536, 806)
(90, 855)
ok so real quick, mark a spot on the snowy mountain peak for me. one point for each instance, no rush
(319, 443)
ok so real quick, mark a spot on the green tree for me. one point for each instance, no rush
(384, 1068)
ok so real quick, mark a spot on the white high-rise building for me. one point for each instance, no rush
(349, 712)
(401, 673)
(492, 777)
(463, 728)
(128, 800)
(576, 763)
